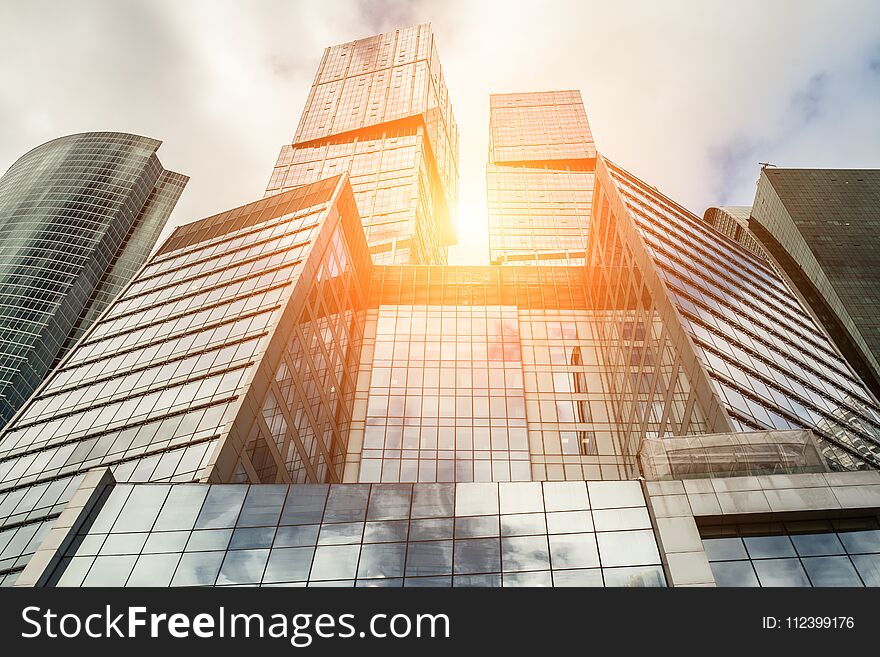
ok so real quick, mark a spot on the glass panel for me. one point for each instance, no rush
(569, 522)
(479, 555)
(305, 504)
(476, 499)
(433, 501)
(524, 553)
(430, 529)
(620, 519)
(589, 577)
(646, 576)
(388, 531)
(153, 570)
(263, 505)
(615, 494)
(477, 527)
(221, 506)
(574, 551)
(336, 561)
(781, 572)
(289, 564)
(542, 578)
(734, 573)
(211, 539)
(347, 503)
(483, 581)
(861, 542)
(523, 524)
(109, 571)
(198, 569)
(181, 507)
(243, 567)
(429, 558)
(390, 502)
(296, 536)
(720, 549)
(831, 571)
(868, 566)
(252, 537)
(341, 533)
(628, 548)
(813, 545)
(382, 560)
(141, 509)
(521, 497)
(565, 496)
(166, 542)
(765, 547)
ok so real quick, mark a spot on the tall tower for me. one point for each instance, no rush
(540, 178)
(78, 217)
(379, 110)
(821, 227)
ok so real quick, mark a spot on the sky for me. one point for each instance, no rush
(689, 95)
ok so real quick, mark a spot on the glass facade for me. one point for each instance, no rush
(228, 356)
(842, 552)
(821, 227)
(379, 110)
(539, 178)
(471, 534)
(733, 221)
(78, 217)
(767, 370)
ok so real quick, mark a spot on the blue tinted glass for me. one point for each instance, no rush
(305, 504)
(296, 536)
(243, 567)
(430, 529)
(868, 566)
(722, 549)
(386, 531)
(335, 562)
(289, 564)
(477, 555)
(429, 558)
(734, 573)
(181, 507)
(862, 541)
(831, 571)
(390, 502)
(198, 569)
(252, 537)
(382, 560)
(433, 500)
(347, 503)
(262, 505)
(812, 545)
(781, 572)
(766, 547)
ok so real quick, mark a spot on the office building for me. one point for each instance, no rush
(379, 110)
(539, 178)
(78, 217)
(265, 404)
(821, 225)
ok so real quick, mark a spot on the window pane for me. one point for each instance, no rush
(781, 572)
(868, 566)
(305, 504)
(262, 505)
(649, 576)
(109, 571)
(429, 558)
(153, 570)
(831, 571)
(734, 573)
(723, 549)
(588, 577)
(382, 560)
(524, 553)
(141, 509)
(765, 547)
(812, 545)
(198, 569)
(628, 548)
(479, 555)
(347, 503)
(861, 542)
(390, 502)
(181, 507)
(221, 506)
(433, 501)
(574, 551)
(243, 567)
(335, 562)
(289, 565)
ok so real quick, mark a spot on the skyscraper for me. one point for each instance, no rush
(733, 221)
(379, 110)
(347, 422)
(78, 217)
(821, 227)
(539, 177)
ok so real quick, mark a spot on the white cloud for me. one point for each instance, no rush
(688, 95)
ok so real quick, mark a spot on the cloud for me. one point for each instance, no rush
(688, 95)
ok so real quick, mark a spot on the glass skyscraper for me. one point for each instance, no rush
(821, 227)
(271, 402)
(379, 110)
(78, 217)
(540, 178)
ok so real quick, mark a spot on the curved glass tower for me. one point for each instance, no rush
(78, 217)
